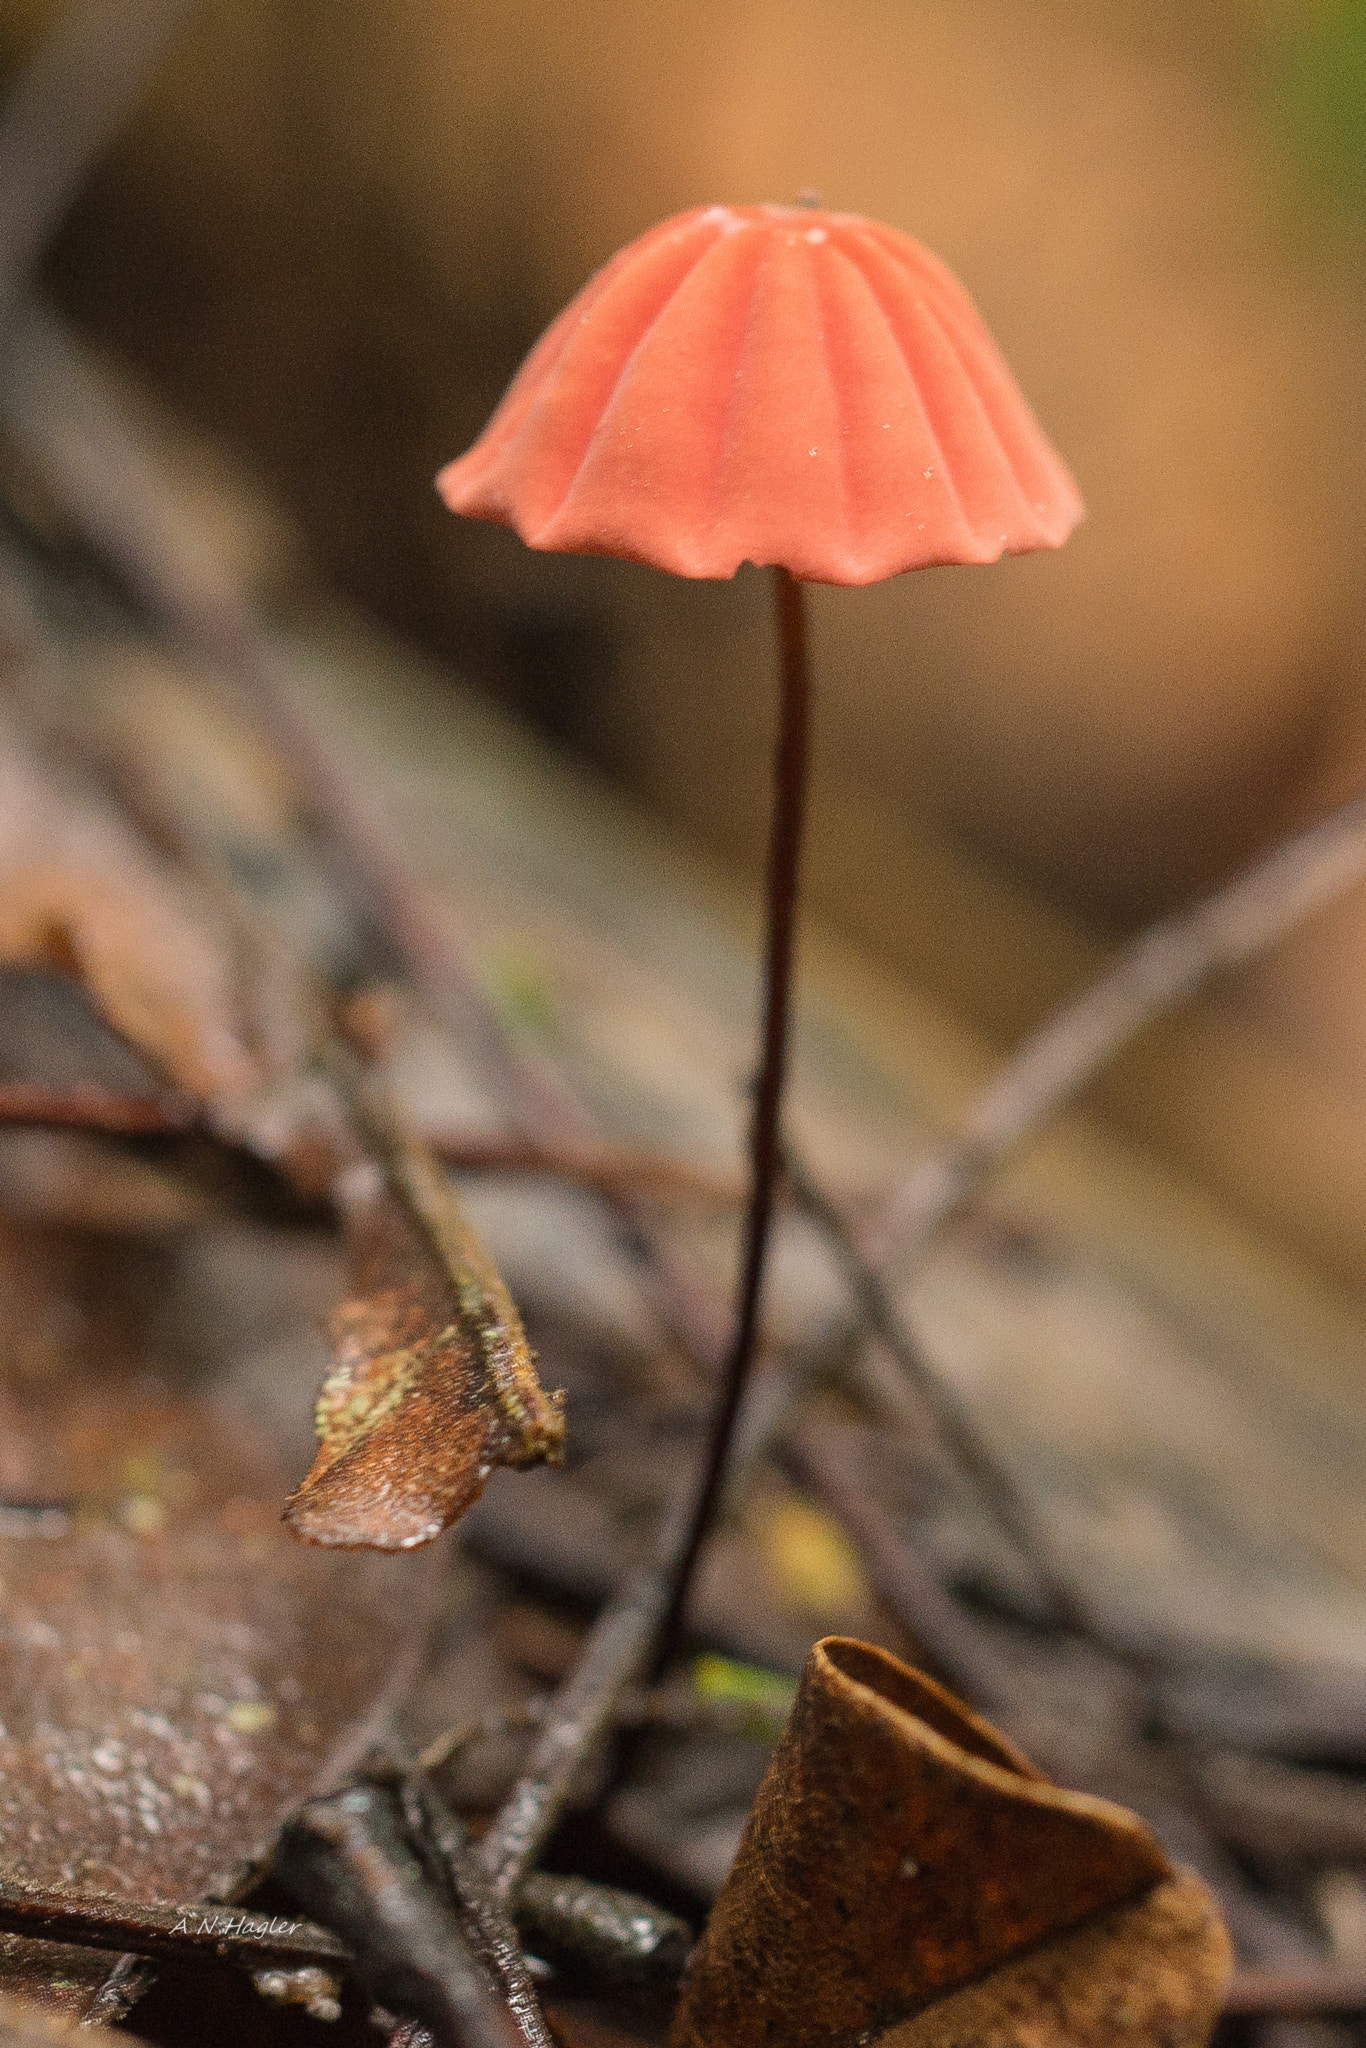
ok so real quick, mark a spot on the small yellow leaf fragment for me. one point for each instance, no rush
(810, 1556)
(250, 1717)
(142, 1515)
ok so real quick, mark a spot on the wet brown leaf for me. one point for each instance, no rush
(898, 1849)
(175, 1674)
(79, 892)
(433, 1386)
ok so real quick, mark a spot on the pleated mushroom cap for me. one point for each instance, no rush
(769, 384)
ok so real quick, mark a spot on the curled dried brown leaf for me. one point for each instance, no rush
(433, 1383)
(899, 1849)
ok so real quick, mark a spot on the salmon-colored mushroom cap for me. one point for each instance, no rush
(770, 384)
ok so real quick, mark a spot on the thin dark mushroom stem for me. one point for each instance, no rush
(784, 848)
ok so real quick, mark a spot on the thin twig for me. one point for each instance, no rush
(931, 1617)
(1281, 1813)
(618, 1650)
(87, 76)
(29, 1105)
(87, 1107)
(102, 1112)
(1160, 969)
(523, 1719)
(180, 1933)
(1326, 1992)
(661, 1706)
(877, 1312)
(346, 1857)
(624, 1643)
(445, 1845)
(613, 1170)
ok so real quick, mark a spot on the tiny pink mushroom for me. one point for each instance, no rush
(805, 390)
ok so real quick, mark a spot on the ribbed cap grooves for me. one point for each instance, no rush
(774, 385)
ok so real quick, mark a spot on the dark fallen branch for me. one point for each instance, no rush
(618, 1651)
(254, 1941)
(615, 1939)
(453, 1866)
(347, 1859)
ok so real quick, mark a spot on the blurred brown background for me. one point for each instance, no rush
(336, 227)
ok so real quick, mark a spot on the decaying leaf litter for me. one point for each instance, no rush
(1201, 1640)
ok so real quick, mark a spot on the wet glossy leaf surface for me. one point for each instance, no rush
(174, 1672)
